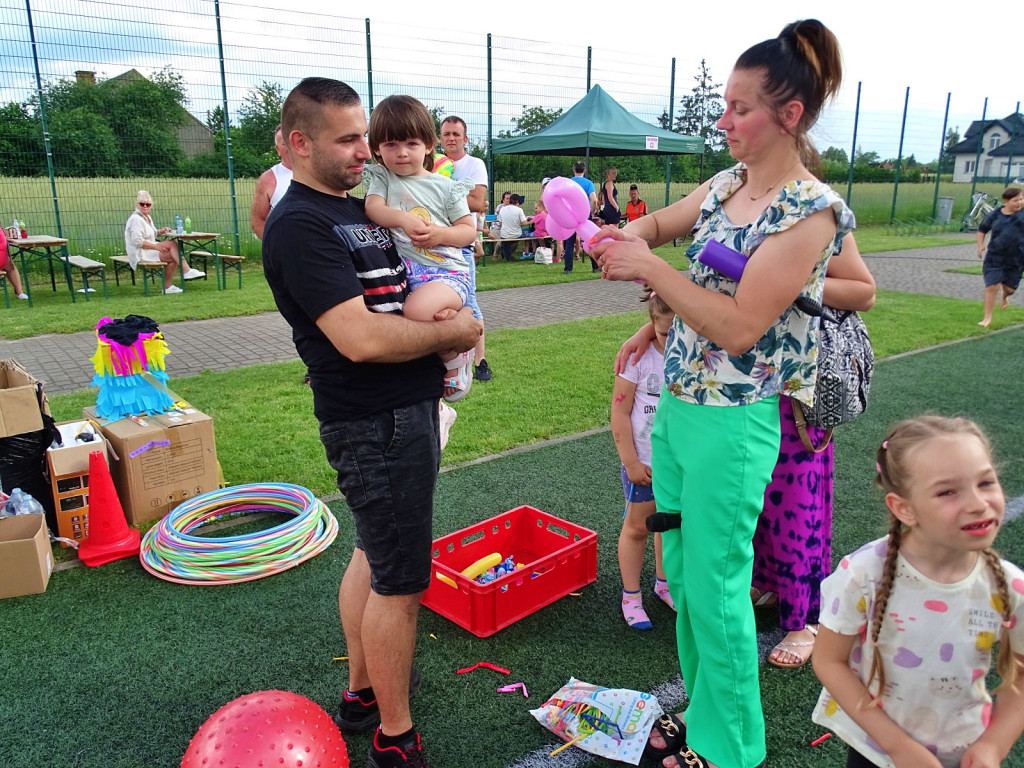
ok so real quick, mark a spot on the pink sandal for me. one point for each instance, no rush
(463, 380)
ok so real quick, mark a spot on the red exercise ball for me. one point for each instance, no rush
(267, 728)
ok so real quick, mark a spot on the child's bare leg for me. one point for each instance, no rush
(990, 302)
(425, 302)
(1007, 293)
(660, 585)
(632, 544)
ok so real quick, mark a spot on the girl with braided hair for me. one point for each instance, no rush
(908, 622)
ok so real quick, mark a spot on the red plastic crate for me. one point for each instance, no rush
(558, 558)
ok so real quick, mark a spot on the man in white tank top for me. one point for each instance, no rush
(271, 186)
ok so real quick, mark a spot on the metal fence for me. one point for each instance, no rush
(88, 116)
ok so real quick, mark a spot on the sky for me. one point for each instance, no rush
(887, 46)
(438, 53)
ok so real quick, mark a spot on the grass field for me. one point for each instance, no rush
(93, 211)
(112, 668)
(53, 312)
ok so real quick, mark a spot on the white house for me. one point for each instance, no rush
(1001, 144)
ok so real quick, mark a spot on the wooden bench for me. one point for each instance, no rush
(121, 264)
(196, 256)
(230, 261)
(151, 270)
(87, 267)
(222, 263)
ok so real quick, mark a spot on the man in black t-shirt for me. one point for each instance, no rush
(376, 380)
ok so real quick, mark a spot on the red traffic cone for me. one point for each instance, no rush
(109, 538)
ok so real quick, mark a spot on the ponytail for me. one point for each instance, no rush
(802, 63)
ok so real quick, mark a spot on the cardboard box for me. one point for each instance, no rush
(157, 466)
(26, 561)
(69, 479)
(19, 400)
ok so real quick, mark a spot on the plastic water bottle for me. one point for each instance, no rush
(179, 225)
(21, 503)
(188, 225)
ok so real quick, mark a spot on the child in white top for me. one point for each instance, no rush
(908, 622)
(634, 403)
(427, 215)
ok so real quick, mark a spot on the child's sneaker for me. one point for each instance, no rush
(447, 420)
(407, 754)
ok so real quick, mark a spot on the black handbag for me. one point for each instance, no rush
(846, 362)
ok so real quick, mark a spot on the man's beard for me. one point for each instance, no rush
(332, 173)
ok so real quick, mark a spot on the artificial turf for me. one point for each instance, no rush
(112, 667)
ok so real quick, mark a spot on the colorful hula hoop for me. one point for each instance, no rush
(170, 553)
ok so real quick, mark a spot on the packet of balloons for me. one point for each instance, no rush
(610, 722)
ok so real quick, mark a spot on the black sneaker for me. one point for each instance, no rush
(482, 372)
(408, 754)
(356, 715)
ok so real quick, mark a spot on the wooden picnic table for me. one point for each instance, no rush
(35, 248)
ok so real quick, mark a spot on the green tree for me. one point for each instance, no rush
(84, 145)
(258, 116)
(532, 120)
(701, 111)
(530, 167)
(125, 125)
(21, 142)
(699, 114)
(215, 119)
(860, 157)
(836, 155)
(948, 159)
(145, 115)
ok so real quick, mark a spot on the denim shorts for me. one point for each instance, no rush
(387, 467)
(470, 255)
(420, 274)
(636, 494)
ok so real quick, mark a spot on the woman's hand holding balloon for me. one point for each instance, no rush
(623, 256)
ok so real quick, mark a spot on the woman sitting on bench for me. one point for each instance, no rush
(140, 235)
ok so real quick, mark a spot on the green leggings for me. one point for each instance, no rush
(712, 464)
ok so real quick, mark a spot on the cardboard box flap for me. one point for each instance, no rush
(20, 407)
(74, 457)
(26, 560)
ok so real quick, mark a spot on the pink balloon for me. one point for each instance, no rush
(557, 231)
(566, 202)
(568, 211)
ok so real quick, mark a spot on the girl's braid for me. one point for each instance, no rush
(1006, 664)
(882, 601)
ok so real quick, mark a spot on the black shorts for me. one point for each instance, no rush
(387, 467)
(1006, 270)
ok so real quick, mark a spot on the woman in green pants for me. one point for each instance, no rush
(735, 346)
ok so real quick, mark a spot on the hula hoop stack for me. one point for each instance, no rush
(169, 551)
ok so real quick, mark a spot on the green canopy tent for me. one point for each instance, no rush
(598, 125)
